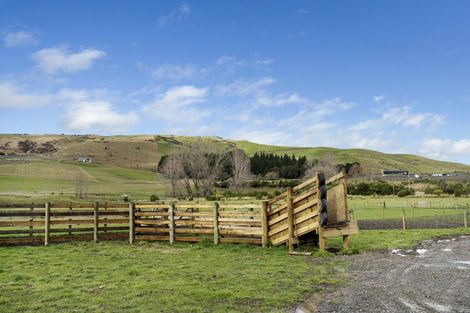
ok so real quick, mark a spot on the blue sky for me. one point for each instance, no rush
(386, 75)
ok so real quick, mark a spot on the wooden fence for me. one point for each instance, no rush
(221, 223)
(53, 223)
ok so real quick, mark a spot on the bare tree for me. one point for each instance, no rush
(327, 164)
(196, 166)
(240, 167)
(173, 169)
(355, 171)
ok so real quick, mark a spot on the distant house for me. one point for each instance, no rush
(395, 172)
(83, 159)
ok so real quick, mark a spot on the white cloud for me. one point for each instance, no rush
(178, 71)
(176, 15)
(378, 99)
(177, 107)
(52, 60)
(12, 96)
(19, 39)
(225, 59)
(244, 88)
(279, 100)
(445, 148)
(401, 116)
(97, 115)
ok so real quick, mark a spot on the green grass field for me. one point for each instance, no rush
(373, 207)
(42, 180)
(157, 277)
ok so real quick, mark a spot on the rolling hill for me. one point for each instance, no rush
(142, 152)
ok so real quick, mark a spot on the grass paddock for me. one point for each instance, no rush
(157, 277)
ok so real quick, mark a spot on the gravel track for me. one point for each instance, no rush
(434, 277)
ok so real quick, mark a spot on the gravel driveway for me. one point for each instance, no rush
(434, 277)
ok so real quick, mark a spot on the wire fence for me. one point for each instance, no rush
(424, 222)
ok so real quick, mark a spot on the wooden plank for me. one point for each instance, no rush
(19, 241)
(95, 221)
(194, 214)
(241, 222)
(247, 232)
(31, 219)
(305, 206)
(21, 223)
(278, 198)
(238, 214)
(47, 223)
(280, 240)
(171, 219)
(59, 230)
(274, 231)
(264, 218)
(151, 237)
(208, 223)
(321, 239)
(151, 206)
(147, 213)
(30, 213)
(306, 229)
(152, 222)
(256, 241)
(277, 209)
(278, 219)
(239, 206)
(335, 178)
(312, 180)
(216, 223)
(305, 217)
(304, 195)
(143, 230)
(193, 206)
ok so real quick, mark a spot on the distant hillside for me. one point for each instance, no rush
(144, 151)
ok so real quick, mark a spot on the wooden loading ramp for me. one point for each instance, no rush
(316, 208)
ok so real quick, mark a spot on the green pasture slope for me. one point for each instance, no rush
(158, 277)
(376, 160)
(50, 180)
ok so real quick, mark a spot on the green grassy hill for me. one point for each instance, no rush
(126, 164)
(144, 151)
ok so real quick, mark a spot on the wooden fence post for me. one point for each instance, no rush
(403, 220)
(383, 211)
(264, 223)
(465, 212)
(95, 221)
(171, 215)
(131, 222)
(70, 219)
(216, 223)
(31, 220)
(290, 218)
(47, 221)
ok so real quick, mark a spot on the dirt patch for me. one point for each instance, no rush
(432, 277)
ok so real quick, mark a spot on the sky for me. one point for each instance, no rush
(389, 75)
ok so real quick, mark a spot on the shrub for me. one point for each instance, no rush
(154, 198)
(403, 193)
